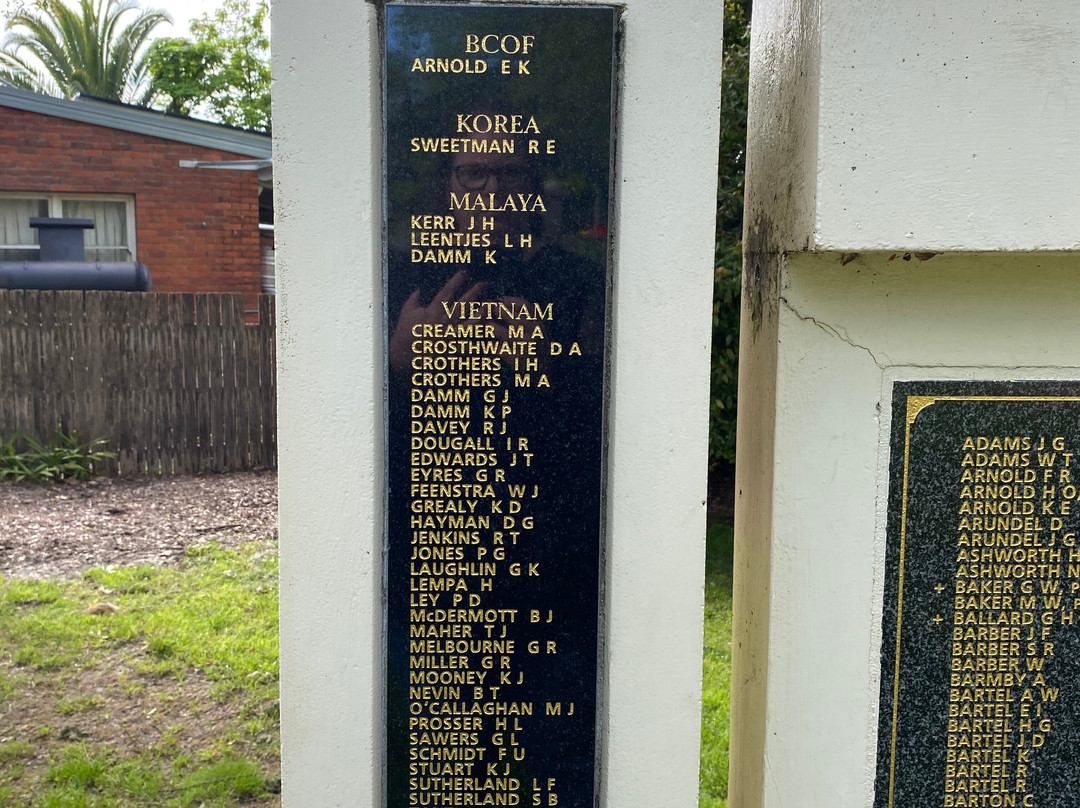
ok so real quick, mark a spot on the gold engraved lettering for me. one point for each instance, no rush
(499, 43)
(1008, 601)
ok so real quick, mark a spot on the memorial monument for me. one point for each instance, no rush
(906, 568)
(498, 157)
(492, 438)
(978, 701)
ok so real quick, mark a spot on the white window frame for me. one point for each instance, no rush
(56, 210)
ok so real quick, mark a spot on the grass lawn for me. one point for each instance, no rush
(142, 686)
(716, 672)
(157, 686)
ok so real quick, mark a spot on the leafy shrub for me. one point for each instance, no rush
(727, 280)
(23, 458)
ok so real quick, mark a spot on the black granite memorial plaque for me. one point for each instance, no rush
(980, 655)
(498, 153)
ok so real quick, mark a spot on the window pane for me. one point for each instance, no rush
(19, 254)
(15, 226)
(107, 254)
(110, 227)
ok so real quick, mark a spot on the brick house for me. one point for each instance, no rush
(153, 184)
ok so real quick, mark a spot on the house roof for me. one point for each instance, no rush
(144, 121)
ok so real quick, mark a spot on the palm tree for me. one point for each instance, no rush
(59, 50)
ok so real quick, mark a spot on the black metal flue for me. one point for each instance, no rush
(63, 263)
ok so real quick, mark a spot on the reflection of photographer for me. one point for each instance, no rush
(480, 186)
(491, 188)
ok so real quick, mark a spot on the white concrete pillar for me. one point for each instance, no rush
(328, 185)
(911, 206)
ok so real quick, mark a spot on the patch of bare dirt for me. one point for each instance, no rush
(59, 531)
(111, 707)
(110, 704)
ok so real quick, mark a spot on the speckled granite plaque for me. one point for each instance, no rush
(980, 655)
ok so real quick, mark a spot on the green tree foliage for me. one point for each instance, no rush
(182, 69)
(225, 68)
(97, 48)
(727, 281)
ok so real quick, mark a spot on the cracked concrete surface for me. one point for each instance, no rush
(836, 331)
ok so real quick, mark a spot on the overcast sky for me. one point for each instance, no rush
(182, 12)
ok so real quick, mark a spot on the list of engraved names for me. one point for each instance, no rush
(472, 522)
(1017, 587)
(495, 311)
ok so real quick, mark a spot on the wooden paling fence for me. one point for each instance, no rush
(176, 383)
